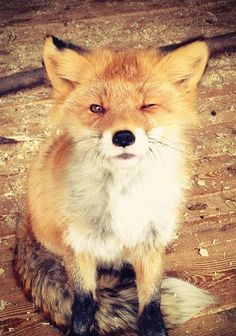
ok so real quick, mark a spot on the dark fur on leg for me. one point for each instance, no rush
(83, 312)
(151, 322)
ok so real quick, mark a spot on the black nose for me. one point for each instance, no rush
(123, 138)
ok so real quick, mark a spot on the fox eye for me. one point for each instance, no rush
(146, 106)
(97, 108)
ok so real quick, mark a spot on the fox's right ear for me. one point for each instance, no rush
(185, 66)
(64, 63)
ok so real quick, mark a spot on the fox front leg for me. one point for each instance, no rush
(151, 322)
(83, 276)
(147, 263)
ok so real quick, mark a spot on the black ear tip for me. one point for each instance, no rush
(61, 45)
(58, 43)
(172, 47)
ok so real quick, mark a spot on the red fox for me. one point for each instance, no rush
(105, 195)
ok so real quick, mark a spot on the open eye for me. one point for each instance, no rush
(146, 106)
(97, 108)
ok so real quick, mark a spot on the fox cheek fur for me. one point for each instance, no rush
(109, 188)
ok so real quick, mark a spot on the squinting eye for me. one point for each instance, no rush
(97, 108)
(146, 106)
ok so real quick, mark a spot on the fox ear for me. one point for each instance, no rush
(185, 65)
(64, 63)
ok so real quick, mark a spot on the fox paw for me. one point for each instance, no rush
(151, 322)
(83, 312)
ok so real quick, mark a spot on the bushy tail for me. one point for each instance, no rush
(43, 278)
(180, 301)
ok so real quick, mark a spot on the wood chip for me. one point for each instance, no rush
(3, 304)
(198, 206)
(5, 141)
(201, 183)
(203, 252)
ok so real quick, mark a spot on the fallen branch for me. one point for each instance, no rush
(22, 80)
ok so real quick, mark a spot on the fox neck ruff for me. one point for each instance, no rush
(113, 207)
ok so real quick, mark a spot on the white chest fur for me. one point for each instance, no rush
(108, 212)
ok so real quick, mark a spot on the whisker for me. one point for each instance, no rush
(167, 144)
(178, 124)
(149, 155)
(158, 152)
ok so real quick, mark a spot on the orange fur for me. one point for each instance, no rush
(123, 83)
(147, 263)
(85, 265)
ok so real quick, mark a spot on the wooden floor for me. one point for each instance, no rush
(209, 221)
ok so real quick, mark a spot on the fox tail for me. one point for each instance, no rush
(180, 301)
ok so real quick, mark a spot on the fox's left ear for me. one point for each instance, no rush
(185, 66)
(65, 64)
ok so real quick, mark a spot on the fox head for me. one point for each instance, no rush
(124, 105)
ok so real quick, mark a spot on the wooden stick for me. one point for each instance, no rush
(22, 80)
(36, 77)
(217, 44)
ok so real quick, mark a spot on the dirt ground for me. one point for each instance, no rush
(204, 253)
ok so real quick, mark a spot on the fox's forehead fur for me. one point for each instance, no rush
(120, 78)
(128, 65)
(123, 76)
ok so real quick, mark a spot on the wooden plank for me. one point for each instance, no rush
(218, 324)
(32, 325)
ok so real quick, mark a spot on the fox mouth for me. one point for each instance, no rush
(125, 156)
